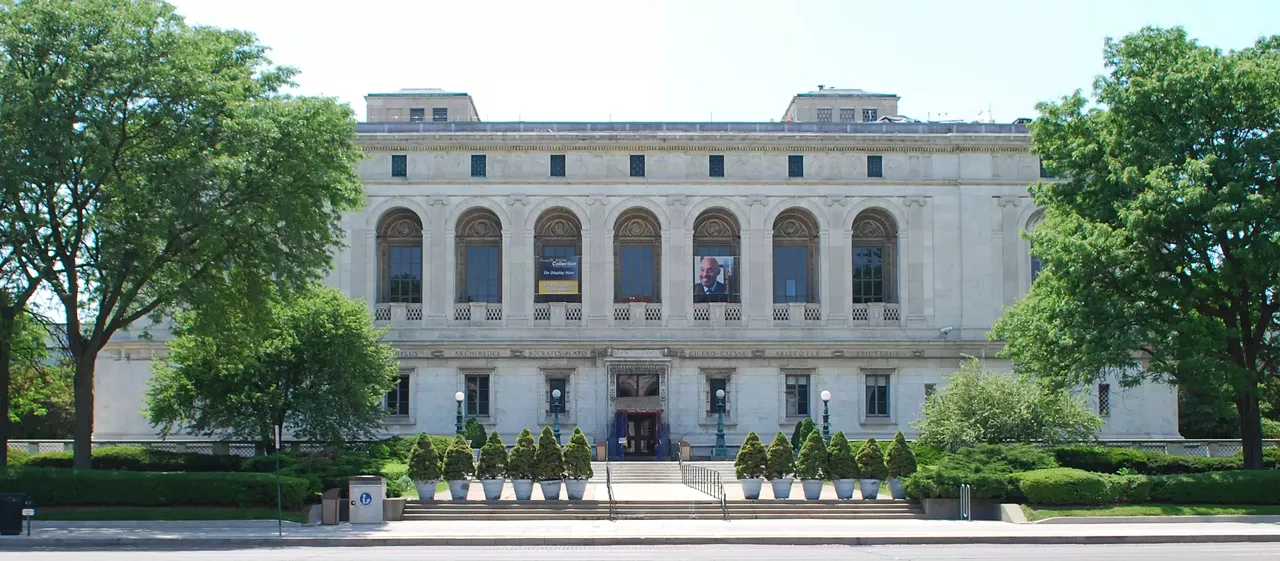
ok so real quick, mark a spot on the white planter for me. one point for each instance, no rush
(523, 489)
(550, 490)
(844, 488)
(458, 489)
(870, 489)
(426, 489)
(812, 489)
(492, 488)
(575, 488)
(895, 487)
(781, 488)
(751, 487)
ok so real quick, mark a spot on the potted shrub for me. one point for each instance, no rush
(871, 469)
(781, 463)
(473, 431)
(842, 467)
(520, 465)
(492, 467)
(900, 463)
(810, 465)
(549, 465)
(458, 468)
(424, 467)
(577, 465)
(749, 466)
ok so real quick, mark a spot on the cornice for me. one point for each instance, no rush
(613, 142)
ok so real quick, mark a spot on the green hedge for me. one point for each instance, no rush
(985, 468)
(18, 457)
(1111, 460)
(322, 471)
(1224, 487)
(1068, 486)
(137, 458)
(67, 487)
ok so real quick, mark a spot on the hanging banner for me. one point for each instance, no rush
(558, 275)
(715, 278)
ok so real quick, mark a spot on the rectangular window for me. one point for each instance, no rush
(797, 395)
(1104, 400)
(795, 166)
(875, 166)
(715, 165)
(404, 275)
(557, 165)
(637, 165)
(399, 165)
(791, 274)
(929, 390)
(478, 167)
(716, 383)
(557, 383)
(868, 274)
(877, 395)
(484, 274)
(1035, 267)
(417, 114)
(848, 115)
(824, 115)
(478, 395)
(397, 400)
(439, 114)
(869, 115)
(636, 273)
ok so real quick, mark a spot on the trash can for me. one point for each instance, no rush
(330, 506)
(11, 505)
(367, 493)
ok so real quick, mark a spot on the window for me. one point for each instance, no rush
(875, 166)
(557, 233)
(929, 390)
(790, 274)
(715, 165)
(868, 274)
(404, 282)
(557, 165)
(397, 400)
(877, 395)
(439, 114)
(824, 115)
(1035, 267)
(558, 382)
(869, 115)
(483, 278)
(715, 251)
(637, 253)
(637, 385)
(399, 165)
(399, 246)
(478, 395)
(848, 115)
(637, 165)
(1104, 400)
(797, 389)
(478, 246)
(1044, 173)
(716, 381)
(417, 114)
(478, 165)
(638, 273)
(795, 254)
(795, 166)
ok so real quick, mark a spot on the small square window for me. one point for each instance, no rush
(439, 114)
(824, 115)
(557, 165)
(397, 400)
(875, 166)
(477, 395)
(637, 165)
(869, 115)
(715, 165)
(877, 395)
(715, 383)
(557, 383)
(929, 390)
(478, 168)
(399, 165)
(1104, 400)
(795, 166)
(797, 390)
(417, 114)
(848, 115)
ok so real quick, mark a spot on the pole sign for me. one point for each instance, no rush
(558, 275)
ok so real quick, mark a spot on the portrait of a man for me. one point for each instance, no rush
(712, 279)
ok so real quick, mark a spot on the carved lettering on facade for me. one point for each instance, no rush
(559, 353)
(637, 353)
(406, 353)
(702, 353)
(876, 354)
(796, 354)
(479, 354)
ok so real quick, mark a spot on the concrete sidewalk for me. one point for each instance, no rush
(632, 532)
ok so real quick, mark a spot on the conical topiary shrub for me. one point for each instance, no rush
(871, 469)
(549, 462)
(801, 434)
(811, 464)
(474, 433)
(521, 465)
(751, 460)
(493, 459)
(458, 468)
(901, 461)
(424, 467)
(782, 458)
(842, 466)
(577, 456)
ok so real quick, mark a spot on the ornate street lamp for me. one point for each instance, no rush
(458, 424)
(826, 416)
(555, 412)
(721, 451)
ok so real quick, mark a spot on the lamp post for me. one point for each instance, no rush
(555, 412)
(721, 451)
(458, 424)
(826, 416)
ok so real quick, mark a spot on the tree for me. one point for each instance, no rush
(474, 433)
(782, 458)
(752, 458)
(801, 433)
(458, 461)
(812, 462)
(549, 459)
(900, 461)
(1161, 241)
(871, 461)
(577, 456)
(841, 463)
(522, 464)
(424, 461)
(315, 366)
(39, 395)
(977, 406)
(153, 166)
(493, 458)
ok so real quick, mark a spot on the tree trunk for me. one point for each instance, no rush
(6, 352)
(1250, 430)
(83, 447)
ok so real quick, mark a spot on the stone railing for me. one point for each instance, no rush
(557, 314)
(478, 313)
(797, 314)
(397, 313)
(637, 314)
(876, 314)
(716, 314)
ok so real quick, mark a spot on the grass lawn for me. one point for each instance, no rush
(1042, 512)
(99, 513)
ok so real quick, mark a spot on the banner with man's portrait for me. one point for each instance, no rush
(715, 278)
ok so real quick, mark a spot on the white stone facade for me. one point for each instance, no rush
(953, 199)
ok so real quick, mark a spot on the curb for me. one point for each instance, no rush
(1193, 519)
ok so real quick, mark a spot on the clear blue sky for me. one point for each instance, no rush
(693, 60)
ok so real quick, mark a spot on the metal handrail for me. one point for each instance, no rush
(608, 483)
(706, 480)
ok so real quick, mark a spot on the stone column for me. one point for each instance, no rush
(912, 260)
(759, 309)
(1009, 243)
(598, 310)
(367, 261)
(439, 282)
(517, 257)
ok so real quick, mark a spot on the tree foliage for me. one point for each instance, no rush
(493, 458)
(841, 462)
(1161, 241)
(458, 460)
(801, 433)
(781, 458)
(315, 366)
(977, 406)
(521, 464)
(549, 460)
(577, 456)
(871, 461)
(901, 461)
(812, 463)
(752, 457)
(424, 460)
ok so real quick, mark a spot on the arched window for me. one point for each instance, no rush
(795, 257)
(717, 275)
(557, 250)
(875, 257)
(400, 257)
(637, 254)
(479, 247)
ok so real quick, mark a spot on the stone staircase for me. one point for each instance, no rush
(661, 510)
(646, 473)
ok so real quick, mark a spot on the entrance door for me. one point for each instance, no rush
(642, 435)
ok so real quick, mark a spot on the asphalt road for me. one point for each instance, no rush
(1171, 552)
